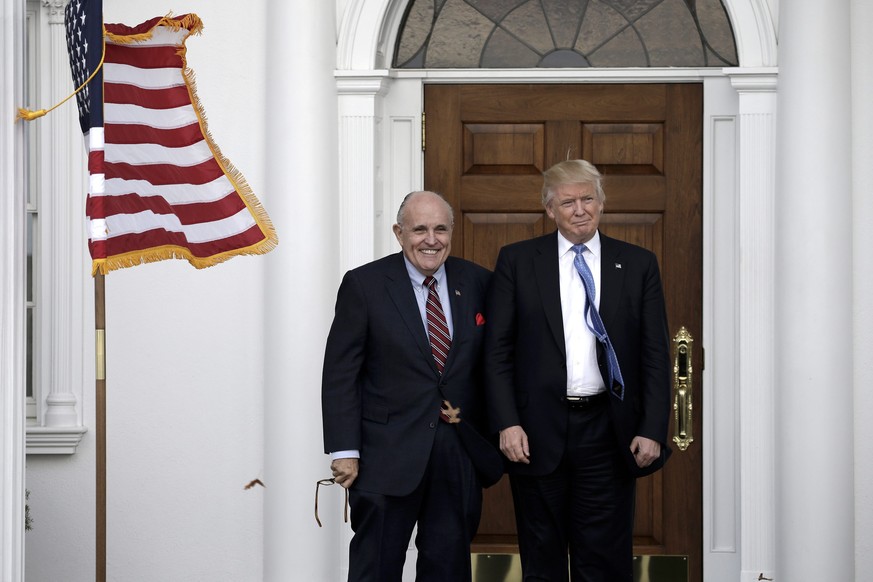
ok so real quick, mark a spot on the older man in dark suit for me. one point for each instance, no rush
(577, 377)
(405, 342)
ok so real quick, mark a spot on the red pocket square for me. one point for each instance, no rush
(480, 319)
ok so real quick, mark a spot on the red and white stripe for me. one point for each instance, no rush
(159, 187)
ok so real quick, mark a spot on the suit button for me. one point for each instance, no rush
(433, 424)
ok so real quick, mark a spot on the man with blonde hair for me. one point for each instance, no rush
(577, 378)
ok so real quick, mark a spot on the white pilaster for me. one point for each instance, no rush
(359, 168)
(756, 89)
(862, 212)
(813, 271)
(62, 233)
(300, 288)
(11, 297)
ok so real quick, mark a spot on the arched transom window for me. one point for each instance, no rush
(565, 33)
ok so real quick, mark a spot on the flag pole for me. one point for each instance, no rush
(100, 389)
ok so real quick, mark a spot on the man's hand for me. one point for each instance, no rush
(645, 451)
(513, 443)
(345, 471)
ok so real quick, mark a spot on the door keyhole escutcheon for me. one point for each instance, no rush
(683, 406)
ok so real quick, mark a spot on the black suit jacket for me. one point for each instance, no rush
(381, 391)
(525, 356)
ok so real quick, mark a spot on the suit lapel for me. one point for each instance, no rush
(460, 305)
(545, 263)
(611, 278)
(399, 288)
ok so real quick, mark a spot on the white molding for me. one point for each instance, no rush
(720, 404)
(756, 307)
(43, 440)
(12, 405)
(58, 361)
(368, 29)
(754, 31)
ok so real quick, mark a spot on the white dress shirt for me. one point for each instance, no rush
(583, 374)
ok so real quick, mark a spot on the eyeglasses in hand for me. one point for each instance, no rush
(327, 482)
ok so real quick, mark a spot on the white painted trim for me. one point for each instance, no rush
(368, 33)
(720, 438)
(11, 297)
(754, 243)
(754, 31)
(59, 369)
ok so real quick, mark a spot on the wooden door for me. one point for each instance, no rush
(486, 148)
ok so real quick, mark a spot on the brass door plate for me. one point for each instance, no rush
(507, 568)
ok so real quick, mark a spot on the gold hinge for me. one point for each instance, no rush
(423, 133)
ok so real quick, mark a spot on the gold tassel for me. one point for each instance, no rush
(29, 114)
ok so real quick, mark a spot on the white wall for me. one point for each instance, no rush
(184, 373)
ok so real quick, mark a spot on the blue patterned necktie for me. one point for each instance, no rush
(595, 324)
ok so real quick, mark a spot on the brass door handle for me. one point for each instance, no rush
(682, 389)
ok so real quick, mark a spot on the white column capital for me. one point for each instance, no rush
(752, 79)
(55, 10)
(375, 82)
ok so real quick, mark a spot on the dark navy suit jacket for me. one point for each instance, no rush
(381, 391)
(525, 356)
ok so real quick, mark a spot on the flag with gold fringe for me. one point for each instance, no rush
(159, 186)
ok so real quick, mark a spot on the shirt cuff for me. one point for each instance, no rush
(350, 454)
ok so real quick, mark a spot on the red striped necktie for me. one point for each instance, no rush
(437, 329)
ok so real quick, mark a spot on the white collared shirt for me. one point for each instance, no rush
(583, 374)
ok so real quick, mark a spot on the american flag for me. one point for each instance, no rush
(159, 186)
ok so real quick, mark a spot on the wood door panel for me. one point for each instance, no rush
(498, 533)
(486, 148)
(535, 103)
(507, 194)
(625, 148)
(485, 234)
(505, 148)
(648, 518)
(645, 230)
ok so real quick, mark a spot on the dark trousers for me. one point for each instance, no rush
(585, 508)
(446, 505)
